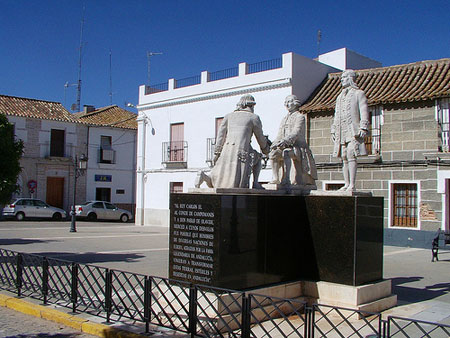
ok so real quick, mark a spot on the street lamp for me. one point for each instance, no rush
(79, 166)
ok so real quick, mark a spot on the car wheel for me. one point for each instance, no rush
(92, 216)
(124, 218)
(57, 216)
(20, 216)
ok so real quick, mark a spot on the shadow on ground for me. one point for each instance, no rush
(18, 241)
(92, 257)
(410, 294)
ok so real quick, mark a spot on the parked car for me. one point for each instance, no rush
(94, 210)
(22, 208)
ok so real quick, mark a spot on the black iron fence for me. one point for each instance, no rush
(264, 65)
(194, 309)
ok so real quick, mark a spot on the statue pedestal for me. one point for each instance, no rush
(242, 241)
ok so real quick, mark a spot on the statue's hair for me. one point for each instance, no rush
(352, 77)
(296, 100)
(246, 101)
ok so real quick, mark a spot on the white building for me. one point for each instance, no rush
(53, 136)
(178, 121)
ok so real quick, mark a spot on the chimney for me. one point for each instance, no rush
(88, 108)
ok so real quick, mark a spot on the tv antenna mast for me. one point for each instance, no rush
(149, 55)
(77, 107)
(110, 79)
(319, 38)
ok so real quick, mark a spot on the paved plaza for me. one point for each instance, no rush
(422, 287)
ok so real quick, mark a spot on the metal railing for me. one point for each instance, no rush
(210, 147)
(174, 151)
(224, 74)
(68, 151)
(264, 65)
(156, 88)
(106, 156)
(188, 81)
(193, 309)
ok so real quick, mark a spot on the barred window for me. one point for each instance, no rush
(443, 118)
(373, 139)
(405, 205)
(176, 187)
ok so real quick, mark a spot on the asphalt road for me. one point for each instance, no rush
(138, 249)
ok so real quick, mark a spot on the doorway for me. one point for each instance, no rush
(103, 194)
(55, 192)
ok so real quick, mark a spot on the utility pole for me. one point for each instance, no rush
(149, 55)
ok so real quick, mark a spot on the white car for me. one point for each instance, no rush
(94, 210)
(23, 208)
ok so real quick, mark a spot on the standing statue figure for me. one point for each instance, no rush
(235, 160)
(350, 126)
(292, 160)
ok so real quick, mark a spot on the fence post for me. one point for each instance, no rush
(192, 310)
(108, 294)
(74, 295)
(147, 302)
(19, 270)
(245, 321)
(45, 279)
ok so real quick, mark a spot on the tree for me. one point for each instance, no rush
(11, 151)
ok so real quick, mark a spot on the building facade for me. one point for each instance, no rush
(408, 162)
(178, 121)
(52, 138)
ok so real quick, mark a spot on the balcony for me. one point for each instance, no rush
(174, 154)
(106, 156)
(58, 151)
(210, 147)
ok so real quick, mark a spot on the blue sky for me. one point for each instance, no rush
(40, 39)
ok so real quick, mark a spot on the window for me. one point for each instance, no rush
(103, 194)
(57, 138)
(176, 187)
(404, 200)
(110, 206)
(373, 139)
(176, 142)
(443, 118)
(97, 205)
(106, 152)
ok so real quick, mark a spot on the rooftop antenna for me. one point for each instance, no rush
(110, 79)
(149, 55)
(79, 63)
(319, 38)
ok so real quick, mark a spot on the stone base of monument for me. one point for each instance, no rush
(225, 309)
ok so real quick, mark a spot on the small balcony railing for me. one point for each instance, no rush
(106, 156)
(65, 151)
(210, 147)
(174, 152)
(264, 65)
(161, 87)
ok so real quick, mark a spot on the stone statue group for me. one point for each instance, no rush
(292, 161)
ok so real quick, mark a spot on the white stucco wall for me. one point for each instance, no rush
(347, 59)
(197, 107)
(122, 172)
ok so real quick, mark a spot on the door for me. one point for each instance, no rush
(103, 194)
(57, 141)
(177, 142)
(55, 192)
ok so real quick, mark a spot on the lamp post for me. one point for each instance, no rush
(79, 166)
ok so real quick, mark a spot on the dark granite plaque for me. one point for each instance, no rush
(245, 241)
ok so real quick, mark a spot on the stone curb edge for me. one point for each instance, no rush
(80, 324)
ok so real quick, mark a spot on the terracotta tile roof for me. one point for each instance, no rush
(39, 109)
(111, 116)
(417, 81)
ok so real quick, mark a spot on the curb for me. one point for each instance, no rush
(77, 323)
